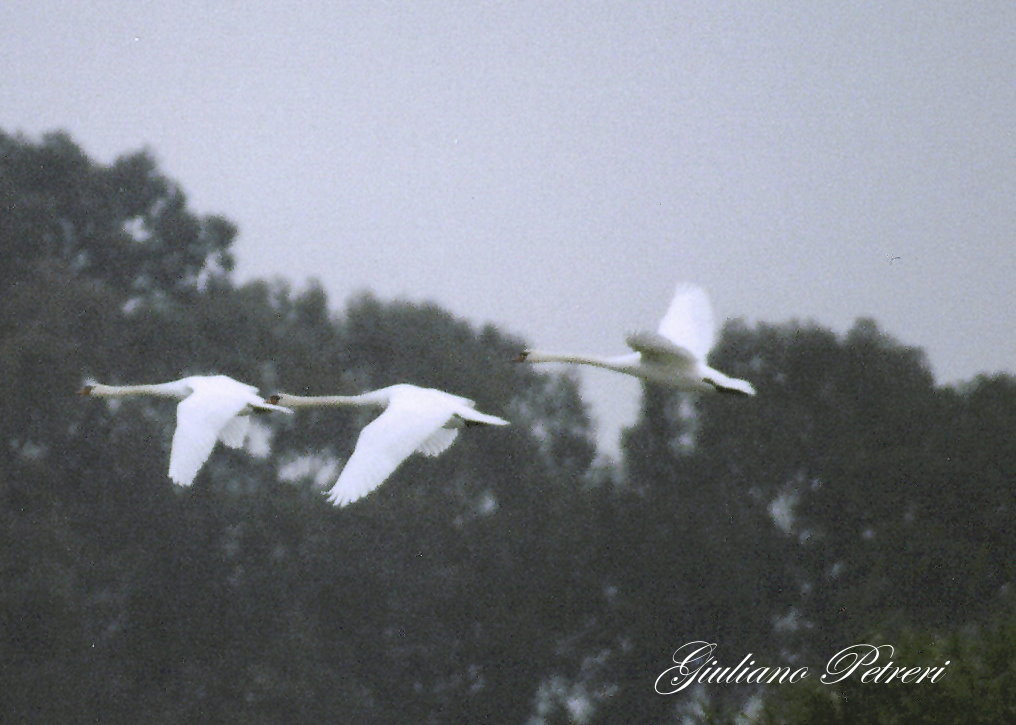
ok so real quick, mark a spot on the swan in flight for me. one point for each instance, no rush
(212, 407)
(674, 355)
(415, 420)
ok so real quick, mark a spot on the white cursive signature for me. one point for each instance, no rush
(694, 663)
(851, 659)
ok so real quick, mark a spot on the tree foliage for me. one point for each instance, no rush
(513, 579)
(125, 224)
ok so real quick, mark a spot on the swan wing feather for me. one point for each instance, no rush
(234, 432)
(384, 444)
(200, 420)
(657, 348)
(689, 321)
(438, 442)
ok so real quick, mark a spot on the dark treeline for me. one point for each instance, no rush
(511, 580)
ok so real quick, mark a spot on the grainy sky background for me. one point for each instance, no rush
(555, 167)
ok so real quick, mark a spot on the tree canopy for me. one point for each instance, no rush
(516, 578)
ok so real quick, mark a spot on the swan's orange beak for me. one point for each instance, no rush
(87, 390)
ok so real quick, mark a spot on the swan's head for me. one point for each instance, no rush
(87, 390)
(530, 355)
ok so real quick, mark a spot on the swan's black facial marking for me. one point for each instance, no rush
(87, 390)
(521, 356)
(273, 399)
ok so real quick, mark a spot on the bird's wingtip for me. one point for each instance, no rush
(334, 499)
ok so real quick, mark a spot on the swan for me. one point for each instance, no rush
(674, 355)
(212, 407)
(415, 420)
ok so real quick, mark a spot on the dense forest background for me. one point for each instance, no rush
(516, 579)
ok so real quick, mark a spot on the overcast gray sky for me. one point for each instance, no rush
(555, 167)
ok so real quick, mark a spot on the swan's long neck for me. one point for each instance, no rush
(162, 390)
(374, 398)
(610, 363)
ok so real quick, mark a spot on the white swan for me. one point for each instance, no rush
(420, 420)
(674, 355)
(212, 407)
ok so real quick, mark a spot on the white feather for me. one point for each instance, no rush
(383, 445)
(234, 433)
(212, 408)
(438, 442)
(674, 355)
(688, 322)
(200, 419)
(415, 420)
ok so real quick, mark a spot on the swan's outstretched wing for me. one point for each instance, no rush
(689, 321)
(438, 442)
(657, 348)
(385, 443)
(234, 433)
(200, 419)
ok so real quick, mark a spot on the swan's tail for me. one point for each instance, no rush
(730, 386)
(472, 417)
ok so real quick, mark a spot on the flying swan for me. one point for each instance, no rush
(674, 355)
(212, 407)
(415, 420)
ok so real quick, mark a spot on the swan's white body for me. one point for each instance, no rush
(415, 420)
(212, 407)
(674, 355)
